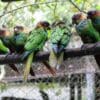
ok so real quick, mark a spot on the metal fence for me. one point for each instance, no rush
(72, 85)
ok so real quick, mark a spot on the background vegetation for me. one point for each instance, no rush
(28, 12)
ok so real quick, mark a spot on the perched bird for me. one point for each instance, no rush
(86, 27)
(89, 34)
(76, 19)
(5, 37)
(19, 39)
(59, 39)
(94, 15)
(35, 42)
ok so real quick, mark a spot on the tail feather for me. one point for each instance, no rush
(28, 66)
(32, 71)
(60, 60)
(52, 71)
(13, 66)
(53, 59)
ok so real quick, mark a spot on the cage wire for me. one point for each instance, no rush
(77, 79)
(64, 86)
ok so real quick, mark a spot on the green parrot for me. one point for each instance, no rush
(94, 15)
(78, 17)
(34, 43)
(6, 36)
(85, 27)
(59, 39)
(87, 31)
(18, 41)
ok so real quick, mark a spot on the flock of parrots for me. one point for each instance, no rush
(58, 34)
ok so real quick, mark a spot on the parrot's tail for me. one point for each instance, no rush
(60, 60)
(13, 66)
(53, 59)
(32, 72)
(28, 66)
(52, 71)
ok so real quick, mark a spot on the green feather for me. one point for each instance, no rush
(35, 42)
(3, 48)
(86, 28)
(59, 37)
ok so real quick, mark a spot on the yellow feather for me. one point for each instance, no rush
(28, 66)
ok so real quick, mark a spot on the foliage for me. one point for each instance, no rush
(27, 14)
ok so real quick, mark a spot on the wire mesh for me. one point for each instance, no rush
(44, 86)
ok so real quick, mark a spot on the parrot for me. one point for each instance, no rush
(86, 28)
(59, 40)
(35, 42)
(18, 40)
(5, 37)
(76, 18)
(94, 15)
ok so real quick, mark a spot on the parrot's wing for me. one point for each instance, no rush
(34, 41)
(3, 48)
(86, 27)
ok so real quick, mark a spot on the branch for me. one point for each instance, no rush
(86, 49)
(28, 6)
(76, 6)
(6, 7)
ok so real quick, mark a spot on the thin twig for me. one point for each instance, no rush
(6, 7)
(84, 1)
(55, 7)
(76, 6)
(27, 6)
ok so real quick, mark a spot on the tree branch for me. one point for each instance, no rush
(28, 6)
(6, 7)
(76, 6)
(86, 49)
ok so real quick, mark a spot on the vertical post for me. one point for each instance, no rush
(79, 87)
(90, 82)
(72, 87)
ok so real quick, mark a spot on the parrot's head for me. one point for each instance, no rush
(4, 32)
(60, 24)
(43, 24)
(18, 29)
(93, 13)
(78, 17)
